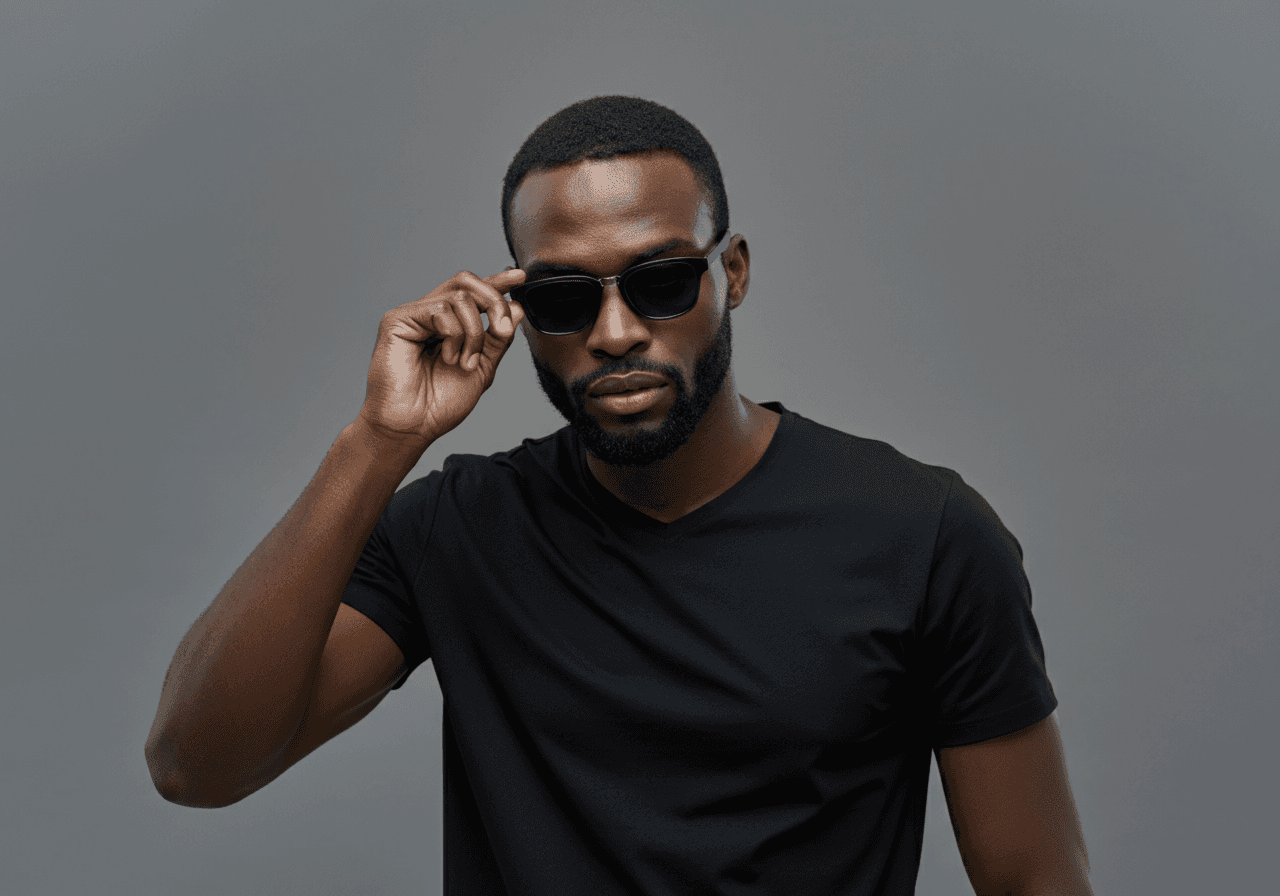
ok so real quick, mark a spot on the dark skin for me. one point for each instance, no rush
(1014, 816)
(600, 217)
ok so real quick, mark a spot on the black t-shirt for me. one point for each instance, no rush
(741, 701)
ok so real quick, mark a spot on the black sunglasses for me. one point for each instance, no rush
(657, 290)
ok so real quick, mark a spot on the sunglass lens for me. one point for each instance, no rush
(561, 307)
(664, 290)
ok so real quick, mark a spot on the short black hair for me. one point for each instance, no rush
(607, 126)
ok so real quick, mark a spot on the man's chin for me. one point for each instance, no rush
(638, 447)
(620, 423)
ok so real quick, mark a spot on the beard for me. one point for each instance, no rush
(644, 447)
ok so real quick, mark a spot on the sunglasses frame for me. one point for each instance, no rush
(702, 263)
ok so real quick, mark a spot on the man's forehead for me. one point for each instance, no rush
(610, 184)
(632, 186)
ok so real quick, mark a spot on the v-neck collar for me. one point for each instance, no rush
(622, 513)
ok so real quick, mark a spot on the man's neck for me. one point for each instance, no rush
(730, 440)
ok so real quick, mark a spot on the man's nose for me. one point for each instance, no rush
(617, 327)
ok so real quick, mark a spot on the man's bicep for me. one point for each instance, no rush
(359, 665)
(1013, 812)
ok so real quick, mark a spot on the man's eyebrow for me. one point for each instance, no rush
(543, 268)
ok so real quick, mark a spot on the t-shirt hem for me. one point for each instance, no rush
(1013, 719)
(374, 607)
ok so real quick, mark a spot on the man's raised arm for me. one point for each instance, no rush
(234, 709)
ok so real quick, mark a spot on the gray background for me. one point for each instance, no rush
(1034, 242)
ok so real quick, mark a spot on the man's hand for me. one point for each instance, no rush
(434, 359)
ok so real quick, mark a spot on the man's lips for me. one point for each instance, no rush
(611, 385)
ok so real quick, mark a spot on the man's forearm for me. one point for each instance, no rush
(241, 678)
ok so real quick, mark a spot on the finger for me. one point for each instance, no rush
(502, 283)
(465, 308)
(445, 324)
(504, 280)
(416, 322)
(487, 294)
(516, 310)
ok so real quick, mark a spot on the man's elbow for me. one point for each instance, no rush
(176, 787)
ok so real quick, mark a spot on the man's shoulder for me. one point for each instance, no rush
(872, 463)
(541, 457)
(881, 474)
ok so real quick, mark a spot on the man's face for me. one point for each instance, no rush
(601, 217)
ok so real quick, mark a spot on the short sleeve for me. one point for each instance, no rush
(382, 584)
(985, 660)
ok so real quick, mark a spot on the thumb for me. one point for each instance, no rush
(505, 329)
(506, 337)
(517, 314)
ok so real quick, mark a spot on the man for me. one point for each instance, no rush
(688, 643)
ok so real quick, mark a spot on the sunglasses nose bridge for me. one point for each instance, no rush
(627, 309)
(611, 282)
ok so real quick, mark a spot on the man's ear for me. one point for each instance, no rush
(737, 267)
